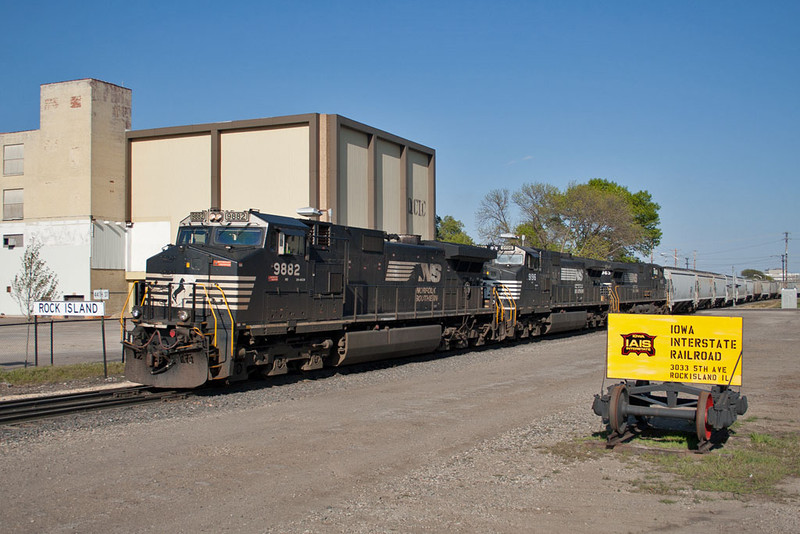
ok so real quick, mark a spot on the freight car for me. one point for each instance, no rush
(689, 290)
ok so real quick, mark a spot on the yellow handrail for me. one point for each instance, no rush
(229, 314)
(512, 302)
(614, 305)
(122, 313)
(499, 310)
(500, 313)
(211, 307)
(144, 294)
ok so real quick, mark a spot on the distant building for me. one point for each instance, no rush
(64, 186)
(777, 274)
(102, 198)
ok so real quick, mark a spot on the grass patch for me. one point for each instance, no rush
(752, 468)
(753, 464)
(578, 449)
(56, 374)
(656, 486)
(666, 439)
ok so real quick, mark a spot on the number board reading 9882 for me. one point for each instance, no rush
(286, 269)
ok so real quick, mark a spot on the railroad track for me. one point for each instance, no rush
(18, 411)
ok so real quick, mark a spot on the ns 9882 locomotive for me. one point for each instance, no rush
(244, 293)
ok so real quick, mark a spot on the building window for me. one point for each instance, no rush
(12, 240)
(13, 160)
(12, 204)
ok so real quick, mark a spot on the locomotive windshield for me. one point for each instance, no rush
(192, 236)
(513, 258)
(222, 236)
(233, 236)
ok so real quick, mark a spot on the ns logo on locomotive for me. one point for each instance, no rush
(243, 293)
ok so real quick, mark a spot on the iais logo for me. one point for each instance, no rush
(638, 343)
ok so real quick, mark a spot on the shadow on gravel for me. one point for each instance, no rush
(262, 382)
(15, 364)
(662, 434)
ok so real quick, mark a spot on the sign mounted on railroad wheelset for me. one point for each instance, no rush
(700, 350)
(80, 308)
(657, 357)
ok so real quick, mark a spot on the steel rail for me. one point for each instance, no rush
(29, 409)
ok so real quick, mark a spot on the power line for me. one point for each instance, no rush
(744, 248)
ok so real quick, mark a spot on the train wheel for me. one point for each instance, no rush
(704, 403)
(618, 420)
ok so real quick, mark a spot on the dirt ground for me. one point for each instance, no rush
(460, 444)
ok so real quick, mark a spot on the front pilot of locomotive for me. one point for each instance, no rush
(171, 356)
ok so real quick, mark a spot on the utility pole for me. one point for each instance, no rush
(694, 261)
(786, 254)
(783, 268)
(676, 257)
(687, 262)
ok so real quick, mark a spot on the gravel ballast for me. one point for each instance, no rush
(459, 443)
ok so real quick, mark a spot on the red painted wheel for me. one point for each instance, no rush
(704, 403)
(617, 407)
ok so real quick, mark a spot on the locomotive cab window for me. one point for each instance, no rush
(238, 236)
(534, 261)
(291, 242)
(192, 236)
(510, 259)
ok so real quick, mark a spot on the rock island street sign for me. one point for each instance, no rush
(78, 308)
(702, 350)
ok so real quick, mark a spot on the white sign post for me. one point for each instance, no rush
(73, 308)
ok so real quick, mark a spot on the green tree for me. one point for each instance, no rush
(451, 230)
(599, 219)
(645, 213)
(755, 274)
(35, 280)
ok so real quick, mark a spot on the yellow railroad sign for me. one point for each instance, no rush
(668, 348)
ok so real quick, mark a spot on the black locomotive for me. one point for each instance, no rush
(242, 293)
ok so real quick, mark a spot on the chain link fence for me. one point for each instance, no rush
(58, 342)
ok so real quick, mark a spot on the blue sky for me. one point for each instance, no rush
(696, 102)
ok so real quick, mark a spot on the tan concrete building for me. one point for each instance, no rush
(63, 185)
(101, 198)
(355, 174)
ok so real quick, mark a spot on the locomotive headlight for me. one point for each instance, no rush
(183, 316)
(136, 312)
